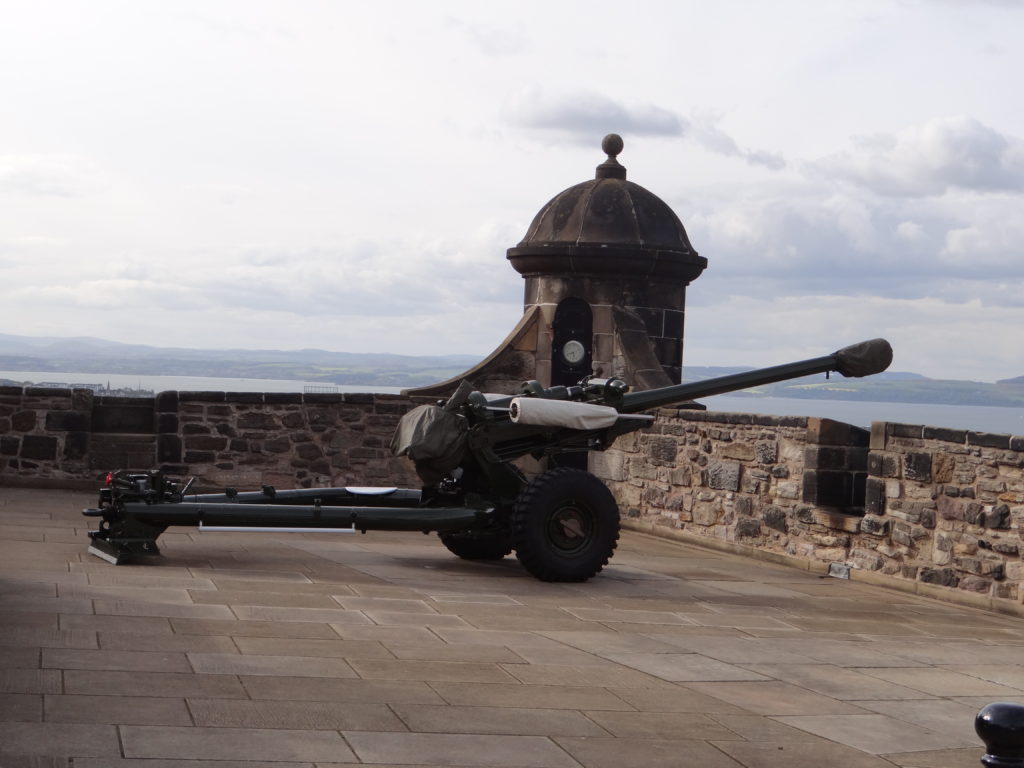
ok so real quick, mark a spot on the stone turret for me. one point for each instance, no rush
(606, 264)
(613, 247)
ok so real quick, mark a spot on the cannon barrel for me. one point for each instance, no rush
(856, 360)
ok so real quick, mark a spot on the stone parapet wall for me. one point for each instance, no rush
(247, 440)
(773, 482)
(935, 509)
(946, 507)
(45, 432)
(917, 504)
(243, 439)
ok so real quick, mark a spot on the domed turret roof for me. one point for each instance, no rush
(607, 226)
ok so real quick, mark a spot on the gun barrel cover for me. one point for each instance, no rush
(561, 413)
(864, 359)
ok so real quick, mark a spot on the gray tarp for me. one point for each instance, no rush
(435, 439)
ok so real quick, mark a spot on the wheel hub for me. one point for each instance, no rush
(569, 528)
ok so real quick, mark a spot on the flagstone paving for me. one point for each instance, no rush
(321, 651)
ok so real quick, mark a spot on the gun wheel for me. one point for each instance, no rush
(472, 545)
(565, 525)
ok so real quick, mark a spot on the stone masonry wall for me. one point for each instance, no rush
(44, 432)
(739, 477)
(247, 440)
(935, 509)
(244, 440)
(946, 507)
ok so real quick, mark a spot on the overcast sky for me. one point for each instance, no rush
(349, 175)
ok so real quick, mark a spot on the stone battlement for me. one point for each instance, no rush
(937, 510)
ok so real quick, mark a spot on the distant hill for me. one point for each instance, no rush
(90, 355)
(99, 356)
(886, 387)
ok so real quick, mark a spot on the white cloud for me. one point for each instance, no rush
(348, 176)
(494, 39)
(705, 130)
(931, 159)
(909, 230)
(580, 115)
(48, 175)
(941, 339)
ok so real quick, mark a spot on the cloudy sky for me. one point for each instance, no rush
(348, 175)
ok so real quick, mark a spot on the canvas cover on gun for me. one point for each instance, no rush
(864, 359)
(434, 438)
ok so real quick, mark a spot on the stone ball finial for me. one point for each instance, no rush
(1001, 726)
(611, 145)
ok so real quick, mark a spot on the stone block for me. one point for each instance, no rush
(879, 435)
(775, 518)
(988, 440)
(706, 513)
(975, 584)
(883, 464)
(918, 467)
(827, 488)
(205, 443)
(308, 451)
(748, 527)
(661, 450)
(277, 445)
(167, 423)
(723, 475)
(874, 525)
(168, 449)
(67, 421)
(23, 421)
(76, 445)
(9, 445)
(47, 392)
(945, 435)
(788, 490)
(244, 397)
(738, 451)
(263, 421)
(767, 452)
(201, 397)
(1006, 547)
(39, 447)
(945, 577)
(943, 465)
(282, 398)
(998, 517)
(875, 496)
(166, 402)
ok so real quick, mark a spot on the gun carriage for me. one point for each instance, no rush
(562, 524)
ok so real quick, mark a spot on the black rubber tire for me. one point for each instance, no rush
(565, 525)
(477, 546)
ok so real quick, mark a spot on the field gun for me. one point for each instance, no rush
(563, 524)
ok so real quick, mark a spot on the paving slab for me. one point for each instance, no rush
(239, 651)
(295, 715)
(201, 743)
(458, 749)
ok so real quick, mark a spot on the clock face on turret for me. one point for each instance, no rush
(573, 351)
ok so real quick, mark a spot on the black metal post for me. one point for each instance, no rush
(1001, 726)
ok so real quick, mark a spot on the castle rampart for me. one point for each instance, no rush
(937, 511)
